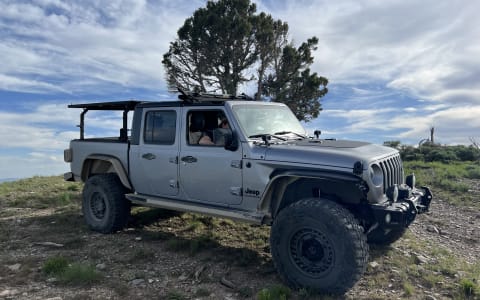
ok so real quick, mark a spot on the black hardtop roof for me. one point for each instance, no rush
(114, 105)
(131, 105)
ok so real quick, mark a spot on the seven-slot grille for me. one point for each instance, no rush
(392, 171)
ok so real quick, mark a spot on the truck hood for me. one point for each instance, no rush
(332, 153)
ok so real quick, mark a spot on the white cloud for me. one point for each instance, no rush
(418, 47)
(33, 141)
(74, 46)
(452, 125)
(29, 165)
(101, 45)
(26, 85)
(51, 126)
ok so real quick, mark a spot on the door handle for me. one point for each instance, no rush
(189, 159)
(149, 156)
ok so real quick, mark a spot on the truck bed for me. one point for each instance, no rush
(97, 146)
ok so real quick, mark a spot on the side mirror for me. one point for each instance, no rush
(231, 140)
(317, 133)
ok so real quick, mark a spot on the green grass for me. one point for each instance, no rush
(448, 181)
(80, 274)
(441, 273)
(55, 266)
(469, 288)
(408, 288)
(39, 192)
(274, 292)
(71, 273)
(176, 295)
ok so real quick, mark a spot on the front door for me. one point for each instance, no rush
(154, 164)
(207, 171)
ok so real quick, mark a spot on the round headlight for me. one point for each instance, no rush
(376, 175)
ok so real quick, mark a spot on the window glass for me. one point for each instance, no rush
(160, 127)
(207, 127)
(266, 119)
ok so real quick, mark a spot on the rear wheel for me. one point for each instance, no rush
(317, 244)
(104, 205)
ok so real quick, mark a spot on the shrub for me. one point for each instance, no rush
(175, 295)
(430, 153)
(76, 274)
(55, 265)
(408, 288)
(275, 292)
(79, 274)
(469, 288)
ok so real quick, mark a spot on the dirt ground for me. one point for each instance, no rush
(172, 256)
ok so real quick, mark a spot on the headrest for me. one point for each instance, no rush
(197, 121)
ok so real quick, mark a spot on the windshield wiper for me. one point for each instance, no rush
(290, 132)
(266, 137)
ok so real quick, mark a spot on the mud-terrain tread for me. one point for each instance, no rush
(319, 209)
(118, 206)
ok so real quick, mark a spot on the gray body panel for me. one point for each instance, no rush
(154, 168)
(83, 149)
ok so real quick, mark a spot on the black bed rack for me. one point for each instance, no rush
(124, 106)
(206, 97)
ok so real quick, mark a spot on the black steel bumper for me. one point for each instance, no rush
(402, 211)
(68, 176)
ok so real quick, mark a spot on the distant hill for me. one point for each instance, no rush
(7, 179)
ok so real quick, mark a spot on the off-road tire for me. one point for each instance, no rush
(318, 245)
(104, 205)
(380, 236)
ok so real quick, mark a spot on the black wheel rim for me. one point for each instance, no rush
(312, 252)
(98, 206)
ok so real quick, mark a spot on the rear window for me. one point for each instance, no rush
(160, 127)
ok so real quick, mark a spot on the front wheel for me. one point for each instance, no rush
(104, 205)
(319, 245)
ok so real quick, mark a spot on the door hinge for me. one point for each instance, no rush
(236, 190)
(173, 183)
(236, 164)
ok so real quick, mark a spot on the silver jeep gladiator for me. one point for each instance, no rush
(226, 156)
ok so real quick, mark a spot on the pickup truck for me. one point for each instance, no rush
(324, 199)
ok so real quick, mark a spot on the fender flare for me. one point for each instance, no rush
(281, 179)
(115, 162)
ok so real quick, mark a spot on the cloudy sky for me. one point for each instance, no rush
(396, 68)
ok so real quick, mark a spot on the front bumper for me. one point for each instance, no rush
(68, 176)
(402, 211)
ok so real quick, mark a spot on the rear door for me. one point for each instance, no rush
(154, 161)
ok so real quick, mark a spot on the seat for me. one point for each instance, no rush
(197, 126)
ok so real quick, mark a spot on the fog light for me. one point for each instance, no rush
(388, 218)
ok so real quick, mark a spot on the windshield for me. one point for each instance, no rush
(266, 119)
